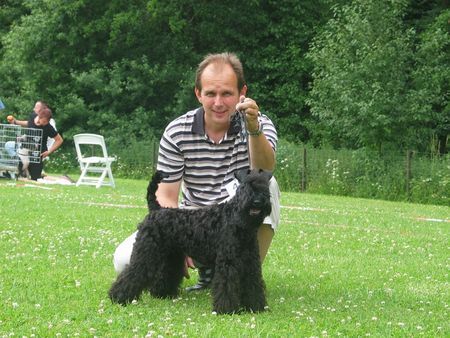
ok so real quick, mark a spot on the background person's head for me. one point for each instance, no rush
(39, 105)
(43, 117)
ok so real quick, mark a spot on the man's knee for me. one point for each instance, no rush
(274, 218)
(122, 255)
(265, 236)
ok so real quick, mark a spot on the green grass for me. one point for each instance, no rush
(337, 266)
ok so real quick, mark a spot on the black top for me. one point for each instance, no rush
(47, 131)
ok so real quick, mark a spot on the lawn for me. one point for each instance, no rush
(337, 266)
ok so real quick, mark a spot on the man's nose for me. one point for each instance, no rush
(218, 101)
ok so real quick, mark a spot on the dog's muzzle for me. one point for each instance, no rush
(254, 212)
(257, 207)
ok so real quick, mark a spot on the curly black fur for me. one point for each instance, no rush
(152, 202)
(223, 236)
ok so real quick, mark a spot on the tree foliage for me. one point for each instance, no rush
(431, 75)
(125, 68)
(365, 64)
(361, 68)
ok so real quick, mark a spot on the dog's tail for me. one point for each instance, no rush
(153, 204)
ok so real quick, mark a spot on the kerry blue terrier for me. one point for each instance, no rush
(223, 235)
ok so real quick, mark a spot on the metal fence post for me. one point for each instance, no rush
(408, 174)
(304, 177)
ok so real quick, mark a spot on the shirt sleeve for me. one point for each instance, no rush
(268, 128)
(170, 158)
(51, 131)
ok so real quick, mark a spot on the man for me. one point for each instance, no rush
(10, 146)
(202, 149)
(40, 120)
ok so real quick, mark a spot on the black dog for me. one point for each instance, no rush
(223, 236)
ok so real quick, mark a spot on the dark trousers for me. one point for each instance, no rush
(35, 170)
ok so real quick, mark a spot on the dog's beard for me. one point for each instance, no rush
(254, 212)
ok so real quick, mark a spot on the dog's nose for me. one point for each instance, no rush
(257, 202)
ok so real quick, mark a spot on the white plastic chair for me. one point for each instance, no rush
(94, 164)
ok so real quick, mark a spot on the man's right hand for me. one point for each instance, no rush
(188, 263)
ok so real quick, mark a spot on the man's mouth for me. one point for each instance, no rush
(220, 113)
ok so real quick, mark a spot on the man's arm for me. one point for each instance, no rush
(261, 153)
(58, 141)
(22, 123)
(167, 194)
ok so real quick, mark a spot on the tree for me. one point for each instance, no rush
(430, 94)
(362, 70)
(125, 68)
(107, 66)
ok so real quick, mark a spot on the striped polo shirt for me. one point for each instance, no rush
(187, 153)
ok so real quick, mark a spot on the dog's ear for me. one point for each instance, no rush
(241, 174)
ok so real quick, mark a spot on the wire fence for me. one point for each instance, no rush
(394, 175)
(408, 175)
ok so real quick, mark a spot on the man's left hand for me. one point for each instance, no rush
(251, 110)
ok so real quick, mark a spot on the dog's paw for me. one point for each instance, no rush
(226, 309)
(122, 298)
(255, 308)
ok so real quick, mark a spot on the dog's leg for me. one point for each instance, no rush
(252, 291)
(128, 285)
(225, 285)
(168, 276)
(138, 275)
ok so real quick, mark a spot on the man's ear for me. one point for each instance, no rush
(198, 93)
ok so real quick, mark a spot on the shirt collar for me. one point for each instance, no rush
(198, 126)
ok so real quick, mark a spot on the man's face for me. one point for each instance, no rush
(37, 107)
(41, 121)
(219, 95)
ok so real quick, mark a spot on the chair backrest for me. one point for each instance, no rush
(89, 139)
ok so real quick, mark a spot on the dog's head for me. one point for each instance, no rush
(253, 193)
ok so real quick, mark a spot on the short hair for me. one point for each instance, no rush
(221, 58)
(45, 113)
(43, 103)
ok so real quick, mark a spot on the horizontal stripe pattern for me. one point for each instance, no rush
(204, 166)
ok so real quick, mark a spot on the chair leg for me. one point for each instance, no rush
(83, 174)
(111, 179)
(105, 174)
(102, 178)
